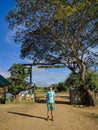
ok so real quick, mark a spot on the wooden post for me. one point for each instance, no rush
(4, 94)
(30, 74)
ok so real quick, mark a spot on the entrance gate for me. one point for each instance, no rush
(42, 65)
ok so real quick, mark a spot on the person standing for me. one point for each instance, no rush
(50, 95)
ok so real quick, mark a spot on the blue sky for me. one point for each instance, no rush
(10, 53)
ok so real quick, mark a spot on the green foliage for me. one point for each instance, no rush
(45, 89)
(55, 31)
(61, 87)
(19, 75)
(15, 89)
(65, 10)
(73, 80)
(91, 80)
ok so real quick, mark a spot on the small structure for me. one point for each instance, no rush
(4, 83)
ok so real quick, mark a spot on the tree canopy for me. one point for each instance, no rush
(56, 31)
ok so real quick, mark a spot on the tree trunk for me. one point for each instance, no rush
(92, 97)
(91, 94)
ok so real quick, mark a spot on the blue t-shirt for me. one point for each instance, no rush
(50, 96)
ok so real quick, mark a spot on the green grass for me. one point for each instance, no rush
(20, 102)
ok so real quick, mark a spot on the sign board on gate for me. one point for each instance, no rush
(51, 66)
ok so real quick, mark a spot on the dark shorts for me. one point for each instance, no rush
(50, 106)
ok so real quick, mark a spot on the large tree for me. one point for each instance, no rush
(58, 32)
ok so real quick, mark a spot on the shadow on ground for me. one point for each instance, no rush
(56, 102)
(27, 115)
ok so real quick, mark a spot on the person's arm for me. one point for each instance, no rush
(54, 97)
(46, 98)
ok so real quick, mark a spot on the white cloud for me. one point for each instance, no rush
(27, 61)
(4, 73)
(49, 76)
(42, 84)
(36, 69)
(8, 40)
(94, 49)
(9, 37)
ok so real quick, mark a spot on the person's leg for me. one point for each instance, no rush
(52, 115)
(48, 111)
(52, 110)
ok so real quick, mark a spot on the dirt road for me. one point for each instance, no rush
(33, 117)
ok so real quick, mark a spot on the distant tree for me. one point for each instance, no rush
(58, 32)
(61, 87)
(54, 86)
(19, 73)
(18, 78)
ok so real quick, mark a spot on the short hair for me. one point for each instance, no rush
(51, 87)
